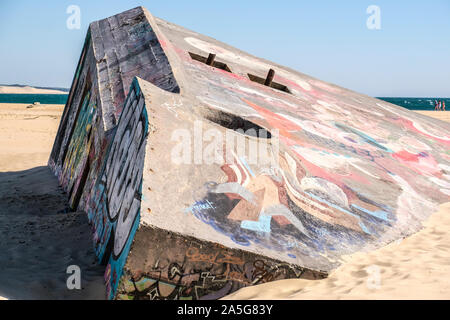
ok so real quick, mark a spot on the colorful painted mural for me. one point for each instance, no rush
(352, 173)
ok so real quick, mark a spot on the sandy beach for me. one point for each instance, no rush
(27, 135)
(441, 115)
(40, 238)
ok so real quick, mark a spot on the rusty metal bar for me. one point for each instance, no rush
(269, 78)
(210, 60)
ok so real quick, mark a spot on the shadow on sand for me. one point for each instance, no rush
(39, 240)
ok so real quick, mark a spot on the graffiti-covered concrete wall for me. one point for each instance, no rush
(102, 136)
(201, 174)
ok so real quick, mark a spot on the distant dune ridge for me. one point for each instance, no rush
(24, 89)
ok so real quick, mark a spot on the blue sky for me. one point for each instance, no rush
(327, 39)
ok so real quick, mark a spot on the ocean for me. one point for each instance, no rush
(31, 98)
(408, 103)
(417, 103)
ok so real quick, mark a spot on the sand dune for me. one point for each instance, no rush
(39, 240)
(28, 90)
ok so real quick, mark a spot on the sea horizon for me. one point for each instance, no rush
(410, 103)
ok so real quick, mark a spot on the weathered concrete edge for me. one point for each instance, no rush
(166, 265)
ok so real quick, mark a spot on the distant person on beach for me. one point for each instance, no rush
(443, 105)
(435, 105)
(439, 105)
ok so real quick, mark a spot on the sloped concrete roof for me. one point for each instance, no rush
(336, 172)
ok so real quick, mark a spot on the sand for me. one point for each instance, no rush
(27, 135)
(417, 267)
(39, 236)
(28, 90)
(39, 239)
(441, 115)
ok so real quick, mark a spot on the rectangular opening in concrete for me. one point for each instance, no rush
(215, 64)
(275, 85)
